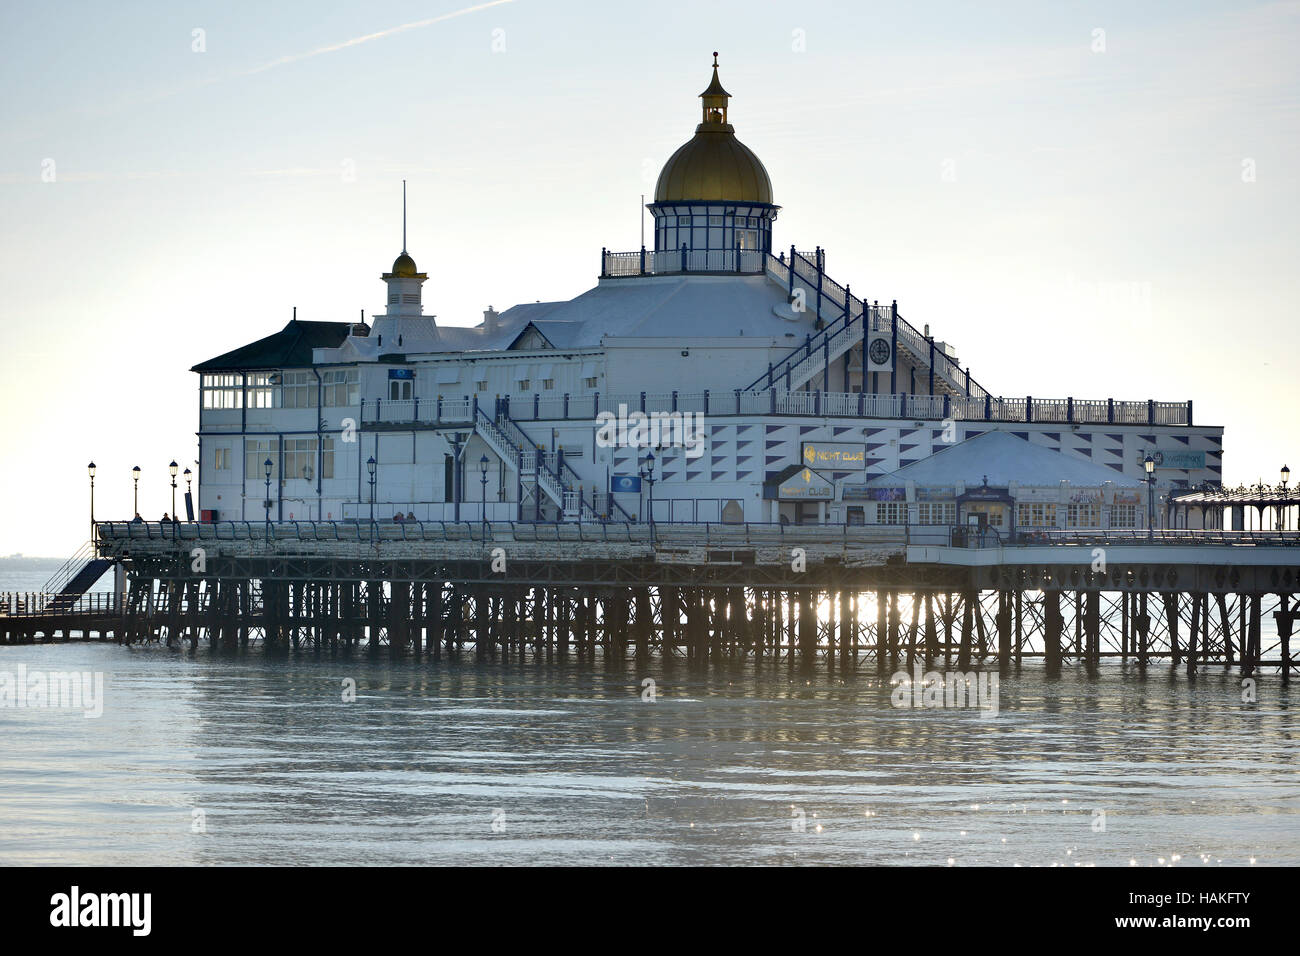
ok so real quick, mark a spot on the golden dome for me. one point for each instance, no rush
(714, 165)
(404, 266)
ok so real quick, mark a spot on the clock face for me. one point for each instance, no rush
(879, 351)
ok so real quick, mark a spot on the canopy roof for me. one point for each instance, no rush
(1002, 458)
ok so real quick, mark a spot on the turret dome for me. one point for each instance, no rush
(714, 166)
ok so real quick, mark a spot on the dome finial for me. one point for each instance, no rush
(715, 98)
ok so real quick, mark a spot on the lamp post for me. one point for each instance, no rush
(648, 475)
(135, 476)
(172, 470)
(1286, 475)
(90, 470)
(1149, 465)
(370, 468)
(189, 477)
(482, 471)
(267, 466)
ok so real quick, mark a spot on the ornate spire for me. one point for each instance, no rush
(715, 99)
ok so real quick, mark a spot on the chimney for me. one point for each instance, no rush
(490, 324)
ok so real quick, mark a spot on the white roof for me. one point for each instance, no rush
(1003, 458)
(645, 307)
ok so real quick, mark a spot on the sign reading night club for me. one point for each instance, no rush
(880, 354)
(1176, 458)
(840, 457)
(805, 484)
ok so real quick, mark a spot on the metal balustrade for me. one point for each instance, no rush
(867, 405)
(45, 604)
(722, 535)
(857, 318)
(962, 537)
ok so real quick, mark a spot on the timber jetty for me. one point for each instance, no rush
(841, 595)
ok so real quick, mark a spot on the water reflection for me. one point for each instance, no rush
(740, 763)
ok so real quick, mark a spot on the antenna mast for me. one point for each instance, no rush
(403, 216)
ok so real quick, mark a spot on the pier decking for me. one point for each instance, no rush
(841, 595)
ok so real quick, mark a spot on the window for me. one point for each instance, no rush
(747, 238)
(891, 512)
(715, 220)
(256, 452)
(548, 384)
(1083, 515)
(260, 392)
(480, 386)
(399, 389)
(1035, 515)
(298, 390)
(222, 391)
(683, 220)
(524, 384)
(221, 459)
(340, 387)
(448, 478)
(937, 512)
(300, 458)
(1123, 516)
(591, 382)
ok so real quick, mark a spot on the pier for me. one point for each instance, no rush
(835, 596)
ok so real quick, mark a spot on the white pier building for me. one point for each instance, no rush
(717, 377)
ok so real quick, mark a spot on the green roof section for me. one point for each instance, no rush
(291, 347)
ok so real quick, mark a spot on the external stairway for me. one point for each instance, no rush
(561, 484)
(845, 321)
(77, 576)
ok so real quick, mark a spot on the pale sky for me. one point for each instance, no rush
(1090, 199)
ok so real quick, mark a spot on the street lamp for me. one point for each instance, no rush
(266, 467)
(370, 468)
(90, 470)
(482, 471)
(1286, 475)
(648, 474)
(1149, 465)
(135, 476)
(189, 477)
(172, 469)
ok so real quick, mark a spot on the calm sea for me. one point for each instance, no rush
(203, 759)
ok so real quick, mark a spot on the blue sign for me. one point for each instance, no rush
(401, 373)
(629, 484)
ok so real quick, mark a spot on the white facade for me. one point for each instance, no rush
(755, 354)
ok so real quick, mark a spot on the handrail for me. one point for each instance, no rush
(704, 534)
(851, 309)
(563, 488)
(70, 569)
(826, 404)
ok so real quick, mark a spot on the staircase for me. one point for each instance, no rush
(521, 454)
(77, 576)
(847, 321)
